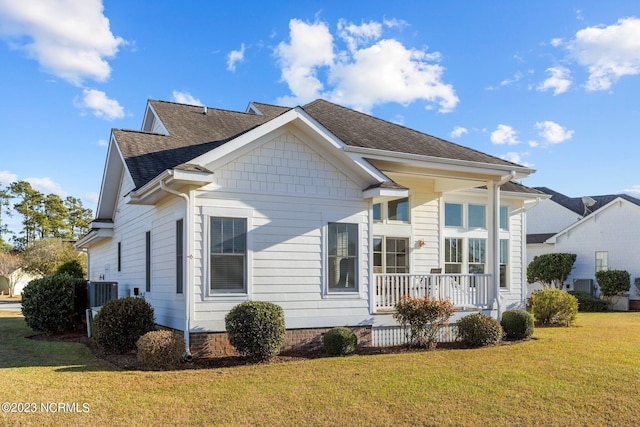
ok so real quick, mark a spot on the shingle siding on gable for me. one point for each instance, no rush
(286, 166)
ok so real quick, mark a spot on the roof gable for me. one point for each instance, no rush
(576, 204)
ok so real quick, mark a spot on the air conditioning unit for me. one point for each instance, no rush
(584, 285)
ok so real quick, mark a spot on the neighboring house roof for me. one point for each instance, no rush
(539, 238)
(576, 204)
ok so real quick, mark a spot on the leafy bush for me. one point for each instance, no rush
(340, 342)
(551, 269)
(554, 307)
(121, 322)
(160, 350)
(587, 302)
(50, 304)
(422, 318)
(517, 324)
(613, 282)
(256, 329)
(73, 268)
(477, 330)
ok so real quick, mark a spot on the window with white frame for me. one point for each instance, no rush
(453, 255)
(504, 218)
(228, 252)
(504, 263)
(392, 211)
(342, 257)
(602, 261)
(390, 255)
(453, 215)
(477, 256)
(477, 215)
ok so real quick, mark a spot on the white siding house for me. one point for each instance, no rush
(328, 212)
(604, 234)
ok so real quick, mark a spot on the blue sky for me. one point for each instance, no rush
(553, 85)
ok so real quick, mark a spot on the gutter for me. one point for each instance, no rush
(189, 268)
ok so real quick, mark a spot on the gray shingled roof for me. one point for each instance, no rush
(361, 130)
(193, 133)
(576, 205)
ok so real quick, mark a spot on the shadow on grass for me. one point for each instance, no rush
(17, 350)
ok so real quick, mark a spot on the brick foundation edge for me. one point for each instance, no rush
(216, 344)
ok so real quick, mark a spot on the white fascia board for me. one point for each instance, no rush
(93, 237)
(114, 165)
(195, 177)
(147, 194)
(385, 193)
(441, 163)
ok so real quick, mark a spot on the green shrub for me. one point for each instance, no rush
(613, 282)
(554, 307)
(121, 322)
(517, 324)
(160, 350)
(422, 318)
(256, 329)
(54, 303)
(73, 268)
(340, 342)
(477, 330)
(588, 303)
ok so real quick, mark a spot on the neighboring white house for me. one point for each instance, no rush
(22, 280)
(328, 212)
(603, 231)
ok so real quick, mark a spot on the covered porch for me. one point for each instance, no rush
(465, 291)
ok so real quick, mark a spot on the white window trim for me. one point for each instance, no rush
(226, 212)
(359, 293)
(384, 213)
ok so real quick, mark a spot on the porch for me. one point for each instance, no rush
(465, 291)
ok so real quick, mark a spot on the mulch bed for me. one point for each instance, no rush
(129, 362)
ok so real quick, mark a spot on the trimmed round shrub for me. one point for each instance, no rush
(49, 303)
(423, 318)
(160, 350)
(477, 330)
(613, 282)
(340, 342)
(517, 324)
(588, 302)
(256, 329)
(121, 322)
(554, 307)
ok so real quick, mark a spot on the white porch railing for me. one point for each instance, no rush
(465, 291)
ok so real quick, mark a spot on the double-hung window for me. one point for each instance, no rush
(228, 254)
(453, 256)
(477, 255)
(342, 257)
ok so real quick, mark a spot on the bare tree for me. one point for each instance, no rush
(10, 264)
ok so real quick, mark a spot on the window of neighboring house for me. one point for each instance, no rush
(147, 261)
(453, 215)
(390, 255)
(179, 256)
(228, 254)
(398, 210)
(477, 216)
(477, 256)
(342, 256)
(453, 256)
(602, 261)
(504, 262)
(119, 256)
(504, 218)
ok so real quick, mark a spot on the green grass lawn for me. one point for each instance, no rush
(585, 375)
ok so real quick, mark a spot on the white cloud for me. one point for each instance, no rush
(608, 52)
(47, 186)
(552, 132)
(185, 98)
(515, 158)
(69, 38)
(533, 144)
(102, 143)
(633, 191)
(7, 178)
(559, 80)
(92, 198)
(368, 73)
(458, 131)
(102, 106)
(556, 42)
(234, 57)
(504, 134)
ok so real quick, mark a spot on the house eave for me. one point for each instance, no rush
(174, 179)
(93, 237)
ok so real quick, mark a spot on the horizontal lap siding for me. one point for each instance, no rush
(301, 193)
(426, 213)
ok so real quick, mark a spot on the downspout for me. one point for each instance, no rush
(189, 268)
(495, 235)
